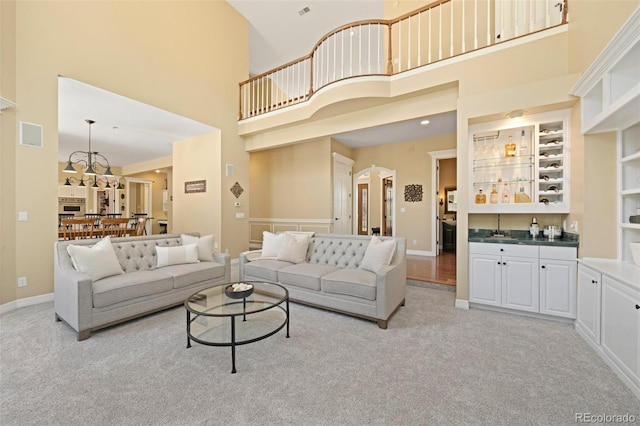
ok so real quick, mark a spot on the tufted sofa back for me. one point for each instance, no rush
(341, 251)
(133, 253)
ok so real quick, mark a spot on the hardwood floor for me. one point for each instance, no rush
(437, 269)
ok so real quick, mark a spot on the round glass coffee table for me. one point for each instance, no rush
(216, 317)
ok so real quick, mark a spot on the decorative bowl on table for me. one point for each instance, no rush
(238, 290)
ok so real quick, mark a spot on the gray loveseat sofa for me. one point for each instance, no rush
(331, 278)
(143, 288)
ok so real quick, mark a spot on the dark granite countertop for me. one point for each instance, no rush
(567, 239)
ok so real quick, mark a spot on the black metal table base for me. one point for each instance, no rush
(233, 343)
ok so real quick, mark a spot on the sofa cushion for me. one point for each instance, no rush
(187, 274)
(305, 275)
(177, 255)
(352, 282)
(294, 248)
(271, 244)
(205, 245)
(265, 269)
(119, 288)
(98, 261)
(378, 255)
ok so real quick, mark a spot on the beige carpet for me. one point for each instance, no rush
(434, 365)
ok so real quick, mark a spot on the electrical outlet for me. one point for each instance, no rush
(22, 281)
(415, 242)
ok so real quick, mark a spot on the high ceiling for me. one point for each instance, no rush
(128, 132)
(125, 131)
(283, 30)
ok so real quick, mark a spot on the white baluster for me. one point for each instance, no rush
(464, 48)
(429, 54)
(419, 38)
(450, 28)
(547, 20)
(399, 46)
(409, 45)
(440, 34)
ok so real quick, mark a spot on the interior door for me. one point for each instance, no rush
(363, 209)
(341, 198)
(387, 208)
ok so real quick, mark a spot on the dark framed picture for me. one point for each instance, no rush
(195, 186)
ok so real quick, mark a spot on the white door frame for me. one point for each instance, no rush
(435, 157)
(148, 201)
(340, 162)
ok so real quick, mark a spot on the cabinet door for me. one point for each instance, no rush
(558, 288)
(520, 286)
(588, 304)
(620, 319)
(484, 279)
(79, 191)
(64, 191)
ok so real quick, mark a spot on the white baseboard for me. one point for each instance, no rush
(28, 301)
(462, 304)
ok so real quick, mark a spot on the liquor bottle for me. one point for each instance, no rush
(510, 148)
(481, 198)
(506, 197)
(522, 197)
(494, 195)
(524, 148)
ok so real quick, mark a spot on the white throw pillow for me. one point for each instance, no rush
(176, 255)
(98, 261)
(205, 245)
(294, 248)
(271, 244)
(378, 255)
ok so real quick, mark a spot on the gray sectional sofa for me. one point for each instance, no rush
(88, 304)
(331, 276)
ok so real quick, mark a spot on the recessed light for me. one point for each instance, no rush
(304, 11)
(424, 122)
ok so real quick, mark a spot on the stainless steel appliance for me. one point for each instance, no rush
(77, 206)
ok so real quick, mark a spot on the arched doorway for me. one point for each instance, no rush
(375, 201)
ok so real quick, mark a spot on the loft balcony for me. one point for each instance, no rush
(438, 32)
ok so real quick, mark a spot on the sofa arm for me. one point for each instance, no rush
(73, 299)
(244, 258)
(224, 259)
(391, 284)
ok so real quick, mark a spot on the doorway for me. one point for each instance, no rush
(444, 224)
(377, 212)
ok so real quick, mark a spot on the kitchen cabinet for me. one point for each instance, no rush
(539, 279)
(621, 325)
(504, 275)
(588, 309)
(521, 165)
(558, 268)
(609, 315)
(609, 92)
(70, 191)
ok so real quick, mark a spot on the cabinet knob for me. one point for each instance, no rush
(637, 306)
(543, 266)
(594, 282)
(504, 263)
(501, 249)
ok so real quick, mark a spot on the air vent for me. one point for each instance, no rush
(30, 134)
(304, 11)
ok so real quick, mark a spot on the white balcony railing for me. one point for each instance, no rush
(435, 32)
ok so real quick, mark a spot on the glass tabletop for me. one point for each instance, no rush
(214, 301)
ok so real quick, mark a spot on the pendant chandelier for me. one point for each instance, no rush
(93, 161)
